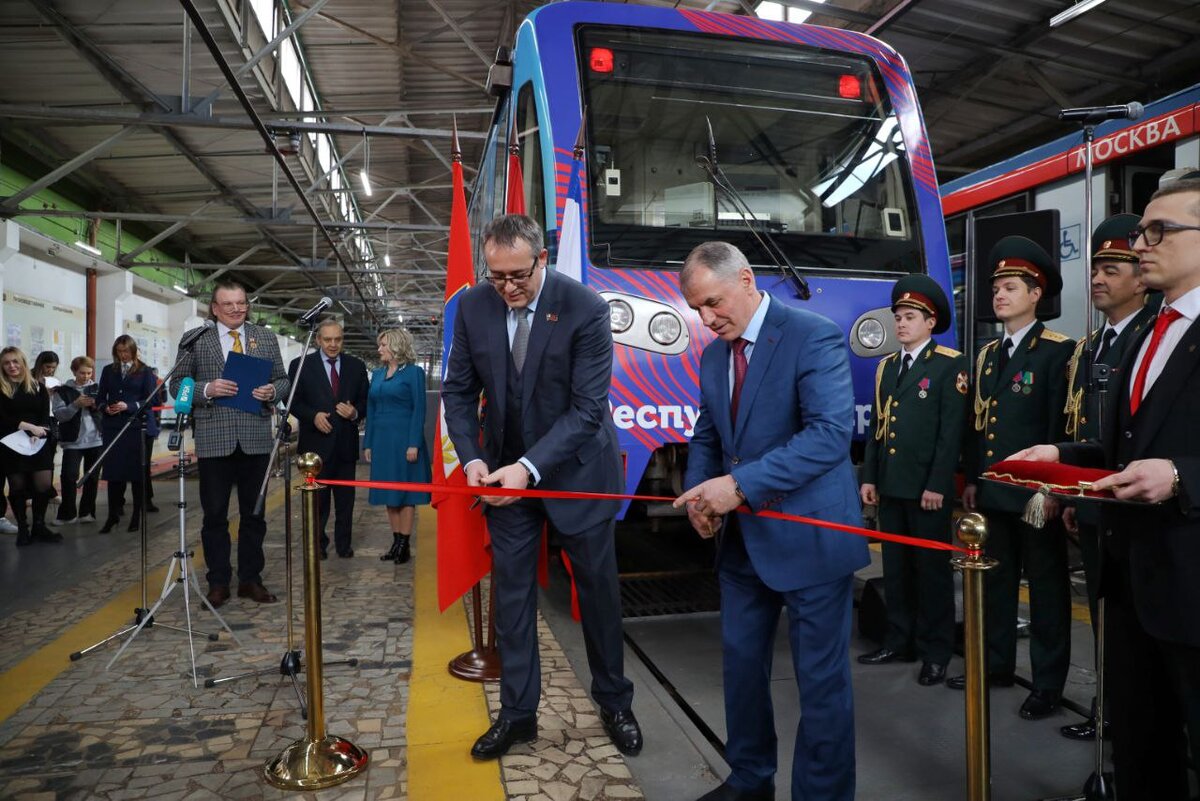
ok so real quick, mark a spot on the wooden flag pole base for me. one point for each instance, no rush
(481, 663)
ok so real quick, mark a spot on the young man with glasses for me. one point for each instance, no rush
(232, 447)
(539, 346)
(1151, 438)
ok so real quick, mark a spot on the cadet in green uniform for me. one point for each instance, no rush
(920, 408)
(1020, 393)
(1119, 294)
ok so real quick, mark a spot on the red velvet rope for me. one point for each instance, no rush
(447, 489)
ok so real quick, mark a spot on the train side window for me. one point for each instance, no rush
(530, 143)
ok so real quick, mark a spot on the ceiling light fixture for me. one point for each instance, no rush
(1082, 7)
(362, 174)
(84, 246)
(179, 288)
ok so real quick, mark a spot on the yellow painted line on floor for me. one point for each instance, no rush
(24, 680)
(445, 714)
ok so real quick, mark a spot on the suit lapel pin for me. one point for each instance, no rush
(551, 317)
(250, 343)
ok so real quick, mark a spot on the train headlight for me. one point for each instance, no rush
(665, 328)
(870, 333)
(620, 316)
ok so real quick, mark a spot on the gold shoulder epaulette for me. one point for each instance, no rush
(1053, 336)
(942, 350)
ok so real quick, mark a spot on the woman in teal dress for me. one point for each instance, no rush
(394, 443)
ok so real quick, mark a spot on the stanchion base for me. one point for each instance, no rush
(476, 666)
(315, 764)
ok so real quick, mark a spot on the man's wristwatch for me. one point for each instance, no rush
(529, 473)
(737, 489)
(1174, 480)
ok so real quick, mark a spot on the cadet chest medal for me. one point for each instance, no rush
(1023, 382)
(924, 385)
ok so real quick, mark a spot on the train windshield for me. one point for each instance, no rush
(806, 137)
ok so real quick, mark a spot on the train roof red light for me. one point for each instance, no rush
(601, 59)
(849, 87)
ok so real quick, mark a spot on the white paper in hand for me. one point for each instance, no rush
(20, 442)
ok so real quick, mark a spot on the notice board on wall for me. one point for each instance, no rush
(154, 344)
(35, 324)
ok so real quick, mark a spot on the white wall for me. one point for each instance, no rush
(1187, 153)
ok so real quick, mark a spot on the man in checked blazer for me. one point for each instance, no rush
(232, 447)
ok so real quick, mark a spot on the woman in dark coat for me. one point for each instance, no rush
(25, 409)
(123, 385)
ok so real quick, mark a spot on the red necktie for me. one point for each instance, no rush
(1161, 324)
(740, 363)
(334, 382)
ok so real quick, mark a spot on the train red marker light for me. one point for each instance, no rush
(849, 87)
(601, 59)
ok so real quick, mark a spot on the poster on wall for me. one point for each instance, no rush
(154, 344)
(34, 325)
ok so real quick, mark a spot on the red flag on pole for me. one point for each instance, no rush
(462, 555)
(514, 201)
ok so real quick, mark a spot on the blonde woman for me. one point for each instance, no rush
(25, 408)
(394, 442)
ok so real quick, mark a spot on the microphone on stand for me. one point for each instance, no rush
(183, 408)
(310, 316)
(1095, 114)
(190, 337)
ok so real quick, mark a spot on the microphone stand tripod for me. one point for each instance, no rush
(291, 664)
(143, 616)
(1099, 785)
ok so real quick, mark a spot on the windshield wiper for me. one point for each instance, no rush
(720, 181)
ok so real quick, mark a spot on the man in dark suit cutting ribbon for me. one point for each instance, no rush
(533, 329)
(1151, 438)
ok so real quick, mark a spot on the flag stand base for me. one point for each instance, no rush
(481, 663)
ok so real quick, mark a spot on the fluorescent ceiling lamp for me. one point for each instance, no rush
(366, 182)
(387, 259)
(1082, 7)
(782, 12)
(179, 288)
(84, 246)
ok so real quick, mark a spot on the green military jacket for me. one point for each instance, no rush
(918, 425)
(1082, 410)
(1020, 407)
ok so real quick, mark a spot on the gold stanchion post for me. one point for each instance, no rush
(318, 760)
(972, 530)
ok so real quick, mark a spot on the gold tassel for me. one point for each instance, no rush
(1035, 509)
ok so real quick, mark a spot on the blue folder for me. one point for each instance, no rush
(247, 372)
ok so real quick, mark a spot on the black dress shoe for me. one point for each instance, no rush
(885, 655)
(324, 554)
(1083, 731)
(1040, 704)
(42, 534)
(109, 524)
(151, 508)
(727, 792)
(346, 554)
(994, 680)
(931, 674)
(623, 729)
(503, 734)
(135, 524)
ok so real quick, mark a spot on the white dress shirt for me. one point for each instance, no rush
(753, 328)
(1187, 305)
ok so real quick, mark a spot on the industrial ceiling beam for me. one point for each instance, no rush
(12, 202)
(258, 221)
(93, 116)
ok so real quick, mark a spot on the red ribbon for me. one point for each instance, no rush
(448, 489)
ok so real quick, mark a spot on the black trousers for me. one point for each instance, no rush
(1042, 556)
(918, 582)
(342, 501)
(516, 533)
(218, 477)
(72, 460)
(116, 498)
(1151, 688)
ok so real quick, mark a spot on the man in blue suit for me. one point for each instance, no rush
(535, 330)
(774, 433)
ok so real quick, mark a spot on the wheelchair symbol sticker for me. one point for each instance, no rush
(1068, 243)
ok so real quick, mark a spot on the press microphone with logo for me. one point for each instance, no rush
(190, 337)
(312, 314)
(1094, 114)
(183, 407)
